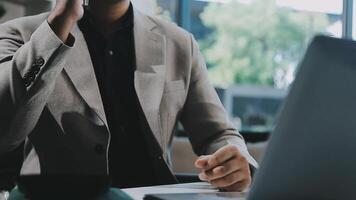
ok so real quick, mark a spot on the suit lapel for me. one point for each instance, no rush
(80, 70)
(150, 72)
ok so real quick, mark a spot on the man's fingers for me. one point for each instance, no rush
(222, 155)
(224, 169)
(229, 180)
(203, 177)
(202, 162)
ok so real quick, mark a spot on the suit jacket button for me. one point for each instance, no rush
(99, 149)
(36, 69)
(27, 84)
(39, 62)
(29, 78)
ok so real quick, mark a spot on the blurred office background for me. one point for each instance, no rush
(252, 48)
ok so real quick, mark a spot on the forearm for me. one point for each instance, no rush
(27, 78)
(204, 116)
(62, 25)
(64, 16)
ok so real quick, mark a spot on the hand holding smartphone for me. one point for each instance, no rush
(65, 15)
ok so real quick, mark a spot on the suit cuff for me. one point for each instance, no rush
(43, 44)
(46, 42)
(233, 140)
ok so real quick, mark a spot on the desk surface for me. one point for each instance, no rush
(139, 193)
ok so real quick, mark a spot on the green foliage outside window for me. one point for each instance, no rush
(252, 41)
(165, 14)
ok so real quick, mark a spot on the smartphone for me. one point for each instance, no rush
(86, 3)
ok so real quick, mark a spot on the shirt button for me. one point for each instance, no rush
(111, 52)
(99, 149)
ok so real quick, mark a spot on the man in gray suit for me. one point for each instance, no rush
(100, 90)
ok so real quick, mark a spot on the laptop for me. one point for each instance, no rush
(311, 152)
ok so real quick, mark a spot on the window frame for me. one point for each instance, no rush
(347, 24)
(183, 16)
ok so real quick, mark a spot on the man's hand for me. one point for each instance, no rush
(225, 169)
(64, 16)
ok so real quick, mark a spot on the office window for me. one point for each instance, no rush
(252, 48)
(167, 9)
(354, 19)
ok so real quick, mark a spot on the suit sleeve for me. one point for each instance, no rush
(204, 117)
(28, 71)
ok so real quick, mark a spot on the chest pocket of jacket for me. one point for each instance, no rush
(174, 95)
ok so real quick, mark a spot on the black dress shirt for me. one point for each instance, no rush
(113, 58)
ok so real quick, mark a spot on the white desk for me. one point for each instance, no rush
(139, 193)
(201, 187)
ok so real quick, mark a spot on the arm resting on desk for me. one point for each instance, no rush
(204, 117)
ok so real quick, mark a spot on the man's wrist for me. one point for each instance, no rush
(61, 25)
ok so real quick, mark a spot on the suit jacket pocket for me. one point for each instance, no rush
(173, 97)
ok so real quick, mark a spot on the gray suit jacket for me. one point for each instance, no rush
(50, 101)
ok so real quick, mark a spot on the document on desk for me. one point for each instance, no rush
(201, 189)
(198, 196)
